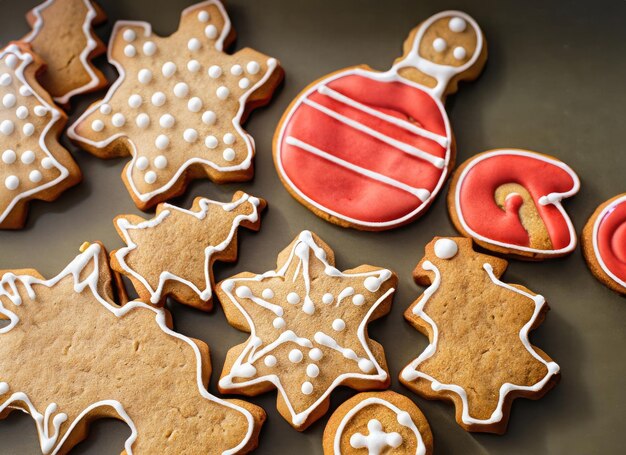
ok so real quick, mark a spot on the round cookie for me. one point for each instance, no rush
(509, 202)
(371, 150)
(604, 243)
(376, 423)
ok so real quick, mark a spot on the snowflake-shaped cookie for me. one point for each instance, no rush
(33, 163)
(308, 325)
(178, 105)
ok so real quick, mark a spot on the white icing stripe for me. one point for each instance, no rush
(406, 148)
(410, 372)
(594, 239)
(441, 140)
(407, 421)
(205, 294)
(8, 288)
(552, 198)
(420, 193)
(94, 80)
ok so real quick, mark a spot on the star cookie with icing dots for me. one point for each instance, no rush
(33, 164)
(173, 253)
(308, 329)
(178, 105)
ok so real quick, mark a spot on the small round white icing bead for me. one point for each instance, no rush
(28, 157)
(270, 361)
(338, 325)
(158, 99)
(215, 71)
(160, 162)
(307, 388)
(293, 298)
(12, 182)
(190, 135)
(130, 51)
(244, 83)
(149, 48)
(211, 142)
(47, 163)
(203, 16)
(210, 31)
(129, 35)
(144, 76)
(229, 154)
(327, 298)
(150, 177)
(28, 129)
(5, 79)
(40, 111)
(194, 104)
(162, 141)
(295, 356)
(97, 125)
(222, 92)
(358, 299)
(118, 119)
(181, 90)
(446, 248)
(236, 70)
(440, 45)
(142, 163)
(21, 112)
(209, 117)
(193, 66)
(167, 121)
(9, 156)
(105, 109)
(134, 100)
(457, 24)
(316, 354)
(168, 69)
(194, 44)
(9, 100)
(253, 67)
(142, 120)
(459, 53)
(35, 176)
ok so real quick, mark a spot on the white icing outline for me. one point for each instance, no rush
(205, 294)
(552, 198)
(55, 115)
(371, 401)
(410, 372)
(594, 238)
(8, 289)
(249, 350)
(84, 55)
(271, 63)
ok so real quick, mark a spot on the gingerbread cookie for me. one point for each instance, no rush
(372, 150)
(34, 164)
(62, 35)
(604, 243)
(308, 329)
(173, 253)
(479, 356)
(102, 360)
(178, 105)
(509, 201)
(378, 423)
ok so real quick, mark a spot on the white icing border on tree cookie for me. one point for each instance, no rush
(8, 288)
(594, 238)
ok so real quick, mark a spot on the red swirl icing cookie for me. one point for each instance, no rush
(509, 201)
(371, 150)
(604, 243)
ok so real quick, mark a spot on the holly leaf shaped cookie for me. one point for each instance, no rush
(308, 329)
(34, 165)
(479, 356)
(63, 37)
(178, 104)
(173, 253)
(70, 354)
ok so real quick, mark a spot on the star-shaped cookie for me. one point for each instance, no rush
(178, 105)
(173, 253)
(308, 329)
(33, 164)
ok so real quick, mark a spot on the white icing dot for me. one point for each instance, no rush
(214, 71)
(162, 141)
(5, 79)
(365, 365)
(327, 298)
(168, 69)
(307, 388)
(194, 104)
(25, 91)
(339, 325)
(316, 354)
(372, 283)
(244, 83)
(150, 177)
(210, 31)
(457, 24)
(295, 356)
(142, 163)
(194, 44)
(130, 51)
(190, 135)
(28, 157)
(21, 112)
(358, 299)
(229, 138)
(267, 294)
(459, 53)
(236, 70)
(293, 298)
(203, 16)
(210, 142)
(118, 120)
(106, 109)
(229, 154)
(209, 117)
(270, 361)
(439, 44)
(160, 162)
(47, 163)
(9, 100)
(149, 48)
(11, 61)
(167, 121)
(142, 120)
(35, 176)
(243, 292)
(9, 157)
(144, 76)
(193, 66)
(12, 182)
(129, 35)
(158, 98)
(222, 92)
(40, 111)
(97, 125)
(279, 323)
(312, 370)
(446, 248)
(253, 67)
(181, 90)
(28, 129)
(134, 100)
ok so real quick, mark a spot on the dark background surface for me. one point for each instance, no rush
(554, 83)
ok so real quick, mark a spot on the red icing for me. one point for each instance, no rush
(611, 239)
(342, 190)
(538, 177)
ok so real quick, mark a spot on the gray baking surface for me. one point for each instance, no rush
(554, 83)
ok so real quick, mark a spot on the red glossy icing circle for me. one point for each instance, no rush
(334, 187)
(611, 239)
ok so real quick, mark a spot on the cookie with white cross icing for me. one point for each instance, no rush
(308, 329)
(178, 105)
(376, 423)
(34, 165)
